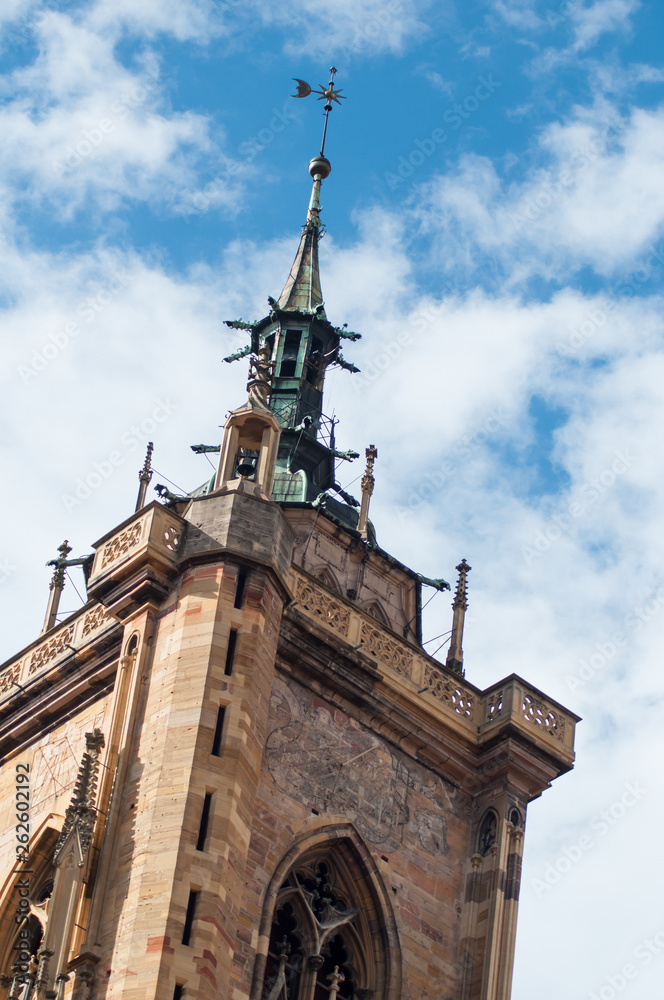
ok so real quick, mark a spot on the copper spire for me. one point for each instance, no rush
(302, 291)
(460, 605)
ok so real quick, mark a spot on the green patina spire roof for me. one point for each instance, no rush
(302, 292)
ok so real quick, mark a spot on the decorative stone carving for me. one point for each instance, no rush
(9, 677)
(50, 649)
(121, 544)
(172, 536)
(323, 608)
(81, 812)
(449, 691)
(542, 715)
(386, 650)
(93, 620)
(388, 796)
(494, 706)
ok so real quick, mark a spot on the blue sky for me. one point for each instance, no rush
(495, 220)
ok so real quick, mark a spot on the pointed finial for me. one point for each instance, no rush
(368, 483)
(335, 979)
(81, 812)
(460, 605)
(56, 586)
(144, 477)
(58, 581)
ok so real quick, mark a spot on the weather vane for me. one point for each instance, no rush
(329, 95)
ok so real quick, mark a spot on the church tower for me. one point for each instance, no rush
(237, 773)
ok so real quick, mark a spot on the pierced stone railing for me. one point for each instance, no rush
(156, 529)
(76, 633)
(511, 701)
(361, 631)
(514, 700)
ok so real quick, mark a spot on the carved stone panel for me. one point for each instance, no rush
(315, 602)
(330, 763)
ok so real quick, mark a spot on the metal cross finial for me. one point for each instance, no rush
(58, 582)
(330, 95)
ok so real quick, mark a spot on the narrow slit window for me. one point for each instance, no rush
(178, 992)
(239, 589)
(189, 916)
(230, 652)
(205, 821)
(218, 732)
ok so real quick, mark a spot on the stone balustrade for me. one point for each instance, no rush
(481, 712)
(62, 642)
(152, 530)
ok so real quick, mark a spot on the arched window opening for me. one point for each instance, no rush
(488, 833)
(320, 940)
(34, 923)
(285, 956)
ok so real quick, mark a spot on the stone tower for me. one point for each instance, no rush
(238, 774)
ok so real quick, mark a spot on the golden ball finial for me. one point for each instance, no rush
(320, 166)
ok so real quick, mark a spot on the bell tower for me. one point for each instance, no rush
(242, 777)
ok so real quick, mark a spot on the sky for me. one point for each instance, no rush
(495, 230)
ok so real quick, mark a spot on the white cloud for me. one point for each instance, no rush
(602, 17)
(597, 201)
(79, 126)
(518, 13)
(347, 29)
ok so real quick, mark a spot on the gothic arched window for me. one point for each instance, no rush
(321, 942)
(488, 833)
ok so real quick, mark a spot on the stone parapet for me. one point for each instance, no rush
(134, 562)
(482, 714)
(59, 644)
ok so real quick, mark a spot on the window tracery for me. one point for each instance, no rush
(488, 833)
(318, 947)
